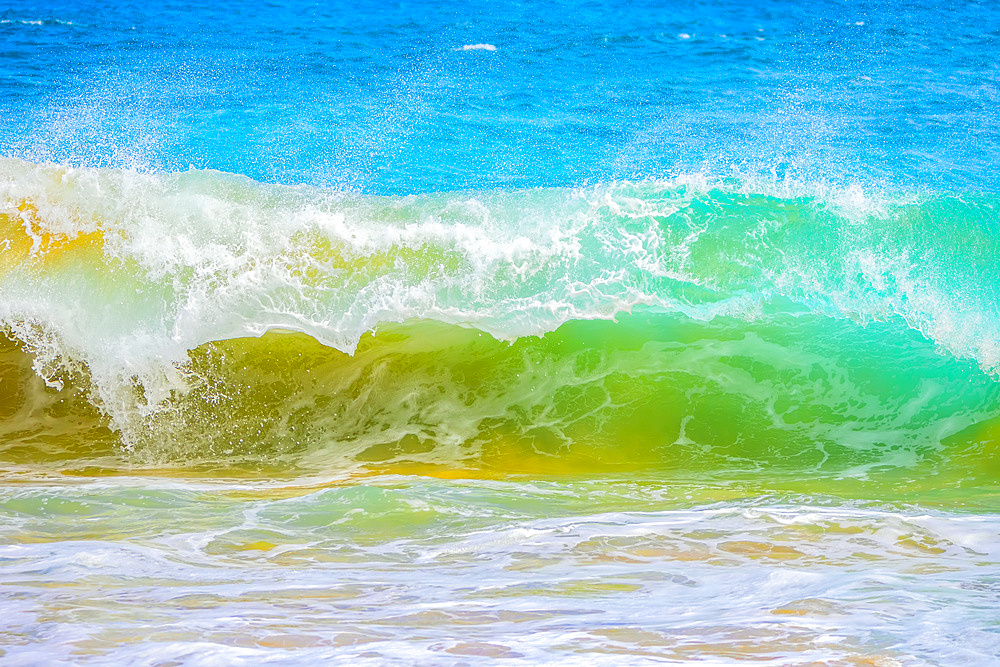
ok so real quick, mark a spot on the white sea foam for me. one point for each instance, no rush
(548, 571)
(36, 22)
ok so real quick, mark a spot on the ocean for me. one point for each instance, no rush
(519, 333)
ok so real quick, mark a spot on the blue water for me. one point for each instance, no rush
(381, 99)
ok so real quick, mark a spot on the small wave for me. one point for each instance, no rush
(477, 47)
(36, 22)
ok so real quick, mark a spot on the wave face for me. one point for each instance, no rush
(657, 324)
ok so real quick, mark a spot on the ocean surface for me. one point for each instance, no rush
(517, 333)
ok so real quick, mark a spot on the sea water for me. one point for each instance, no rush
(436, 333)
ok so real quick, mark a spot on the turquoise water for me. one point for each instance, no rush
(539, 334)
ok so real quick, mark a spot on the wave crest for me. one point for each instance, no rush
(126, 273)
